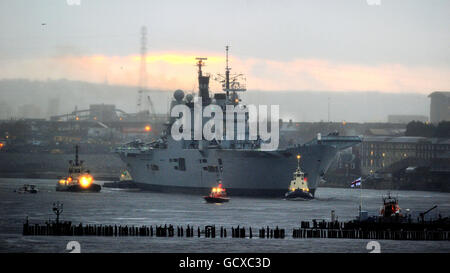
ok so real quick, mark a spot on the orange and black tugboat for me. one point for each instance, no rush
(390, 207)
(79, 179)
(218, 195)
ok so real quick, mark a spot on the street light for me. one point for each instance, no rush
(57, 209)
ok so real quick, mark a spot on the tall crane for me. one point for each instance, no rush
(143, 76)
(151, 108)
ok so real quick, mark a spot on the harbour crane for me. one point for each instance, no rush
(422, 214)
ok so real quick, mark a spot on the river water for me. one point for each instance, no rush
(127, 207)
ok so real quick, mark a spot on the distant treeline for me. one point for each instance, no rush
(418, 128)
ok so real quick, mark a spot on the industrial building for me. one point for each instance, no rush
(404, 119)
(439, 106)
(385, 153)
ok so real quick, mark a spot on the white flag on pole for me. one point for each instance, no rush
(355, 183)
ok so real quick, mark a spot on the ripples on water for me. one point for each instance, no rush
(112, 206)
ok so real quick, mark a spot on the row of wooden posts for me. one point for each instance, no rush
(209, 231)
(421, 235)
(330, 230)
(377, 225)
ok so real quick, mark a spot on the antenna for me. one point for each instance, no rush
(76, 155)
(231, 82)
(328, 109)
(227, 74)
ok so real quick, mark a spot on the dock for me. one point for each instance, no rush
(429, 231)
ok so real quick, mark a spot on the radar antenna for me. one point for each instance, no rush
(203, 82)
(200, 63)
(231, 82)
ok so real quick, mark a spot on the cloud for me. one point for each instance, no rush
(173, 70)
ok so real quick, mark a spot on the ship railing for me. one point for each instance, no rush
(338, 140)
(342, 138)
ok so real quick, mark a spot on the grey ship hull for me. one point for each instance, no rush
(245, 172)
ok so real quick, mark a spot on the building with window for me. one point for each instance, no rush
(380, 152)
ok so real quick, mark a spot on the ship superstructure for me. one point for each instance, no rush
(194, 165)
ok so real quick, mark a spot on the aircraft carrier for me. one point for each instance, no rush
(193, 166)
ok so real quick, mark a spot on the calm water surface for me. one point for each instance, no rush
(113, 206)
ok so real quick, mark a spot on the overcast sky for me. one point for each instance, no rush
(397, 46)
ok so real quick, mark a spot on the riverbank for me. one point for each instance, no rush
(54, 175)
(103, 166)
(441, 185)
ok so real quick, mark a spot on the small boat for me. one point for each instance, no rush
(125, 182)
(27, 188)
(79, 179)
(298, 189)
(218, 195)
(390, 212)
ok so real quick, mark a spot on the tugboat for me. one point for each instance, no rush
(125, 176)
(125, 182)
(218, 195)
(79, 179)
(298, 189)
(27, 188)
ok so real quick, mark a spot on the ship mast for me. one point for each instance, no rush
(76, 155)
(227, 75)
(200, 63)
(203, 82)
(231, 82)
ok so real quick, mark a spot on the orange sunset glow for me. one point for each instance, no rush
(168, 71)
